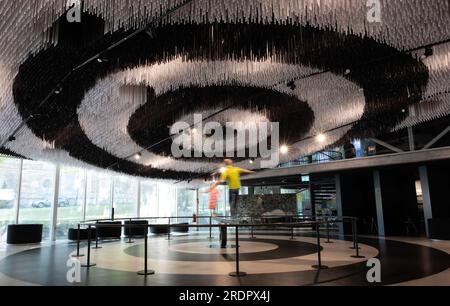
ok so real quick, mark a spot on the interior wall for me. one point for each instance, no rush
(399, 199)
(358, 199)
(439, 182)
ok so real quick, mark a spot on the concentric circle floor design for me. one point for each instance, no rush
(200, 251)
(268, 260)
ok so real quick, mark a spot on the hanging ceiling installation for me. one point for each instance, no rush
(105, 91)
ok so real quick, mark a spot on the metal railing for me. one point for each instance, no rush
(224, 225)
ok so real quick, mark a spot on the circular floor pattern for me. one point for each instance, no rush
(48, 266)
(214, 248)
(262, 249)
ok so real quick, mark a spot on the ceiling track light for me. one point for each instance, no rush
(138, 156)
(58, 90)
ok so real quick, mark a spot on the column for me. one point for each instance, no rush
(55, 205)
(378, 202)
(337, 179)
(427, 211)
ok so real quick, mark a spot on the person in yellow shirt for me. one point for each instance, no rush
(232, 175)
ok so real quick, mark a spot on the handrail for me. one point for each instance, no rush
(220, 216)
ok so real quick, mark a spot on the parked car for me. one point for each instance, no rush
(41, 204)
(6, 204)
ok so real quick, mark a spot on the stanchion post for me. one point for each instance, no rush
(328, 231)
(78, 244)
(292, 229)
(237, 273)
(354, 233)
(251, 228)
(357, 243)
(146, 271)
(96, 241)
(129, 232)
(169, 230)
(88, 262)
(210, 227)
(319, 265)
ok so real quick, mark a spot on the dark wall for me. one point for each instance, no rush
(399, 198)
(439, 181)
(358, 199)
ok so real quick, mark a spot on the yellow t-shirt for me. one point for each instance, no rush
(233, 176)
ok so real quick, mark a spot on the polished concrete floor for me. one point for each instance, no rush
(195, 260)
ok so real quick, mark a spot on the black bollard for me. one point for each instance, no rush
(88, 262)
(354, 234)
(357, 244)
(78, 244)
(251, 229)
(210, 227)
(319, 265)
(169, 230)
(96, 240)
(237, 273)
(328, 232)
(129, 232)
(146, 271)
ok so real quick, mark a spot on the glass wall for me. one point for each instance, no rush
(186, 204)
(9, 189)
(98, 196)
(125, 197)
(37, 193)
(28, 190)
(149, 199)
(72, 182)
(167, 199)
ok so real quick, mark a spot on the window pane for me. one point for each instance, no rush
(9, 186)
(167, 199)
(98, 197)
(149, 199)
(36, 198)
(70, 200)
(125, 197)
(186, 204)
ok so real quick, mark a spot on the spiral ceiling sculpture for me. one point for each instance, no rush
(95, 93)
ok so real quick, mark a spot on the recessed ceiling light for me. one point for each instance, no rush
(321, 138)
(138, 156)
(284, 149)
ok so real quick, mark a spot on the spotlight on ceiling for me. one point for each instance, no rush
(102, 59)
(138, 156)
(321, 138)
(292, 85)
(403, 110)
(284, 149)
(347, 72)
(58, 90)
